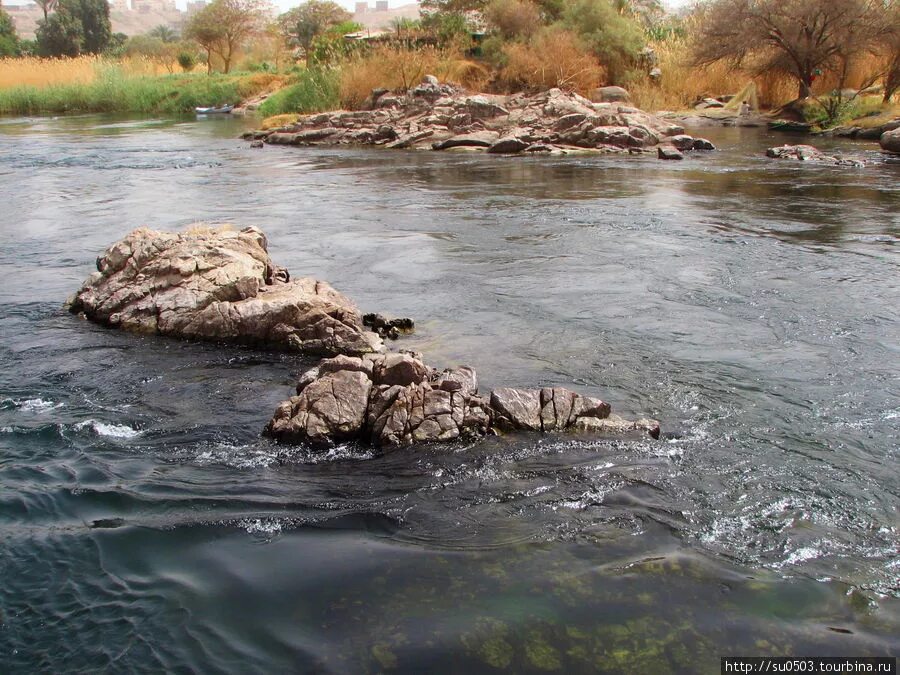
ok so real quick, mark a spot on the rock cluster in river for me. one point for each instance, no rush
(397, 400)
(219, 284)
(808, 153)
(438, 117)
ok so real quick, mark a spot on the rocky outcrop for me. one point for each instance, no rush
(438, 117)
(218, 284)
(397, 400)
(807, 153)
(890, 141)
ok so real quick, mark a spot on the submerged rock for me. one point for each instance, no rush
(397, 400)
(218, 284)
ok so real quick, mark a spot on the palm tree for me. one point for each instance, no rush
(164, 33)
(46, 5)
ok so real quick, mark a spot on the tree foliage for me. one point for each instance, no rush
(221, 27)
(46, 6)
(76, 27)
(164, 33)
(304, 23)
(614, 37)
(9, 41)
(802, 38)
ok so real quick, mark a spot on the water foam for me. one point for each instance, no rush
(107, 429)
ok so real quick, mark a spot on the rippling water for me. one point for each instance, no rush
(750, 306)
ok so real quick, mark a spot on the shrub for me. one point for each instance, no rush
(399, 68)
(186, 61)
(555, 57)
(614, 39)
(514, 18)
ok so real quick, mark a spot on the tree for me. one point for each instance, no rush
(303, 24)
(59, 35)
(9, 41)
(613, 37)
(221, 27)
(46, 5)
(77, 26)
(801, 38)
(153, 49)
(164, 33)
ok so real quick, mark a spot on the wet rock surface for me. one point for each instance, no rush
(808, 153)
(218, 284)
(890, 141)
(438, 117)
(397, 400)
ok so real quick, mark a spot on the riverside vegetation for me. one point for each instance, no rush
(842, 58)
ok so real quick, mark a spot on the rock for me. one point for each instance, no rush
(484, 108)
(668, 152)
(221, 285)
(401, 369)
(385, 327)
(330, 409)
(257, 144)
(798, 152)
(807, 153)
(610, 95)
(509, 145)
(890, 141)
(517, 408)
(616, 425)
(707, 103)
(435, 115)
(682, 142)
(396, 400)
(409, 139)
(479, 139)
(702, 144)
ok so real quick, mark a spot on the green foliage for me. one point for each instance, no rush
(222, 26)
(303, 24)
(77, 27)
(448, 28)
(186, 61)
(318, 89)
(59, 35)
(164, 33)
(115, 91)
(116, 46)
(615, 39)
(9, 42)
(331, 47)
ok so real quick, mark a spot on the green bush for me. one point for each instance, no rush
(187, 61)
(317, 90)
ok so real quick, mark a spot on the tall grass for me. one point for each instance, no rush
(397, 68)
(36, 72)
(115, 87)
(316, 90)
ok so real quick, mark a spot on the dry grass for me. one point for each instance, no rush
(276, 121)
(36, 72)
(397, 68)
(208, 229)
(552, 58)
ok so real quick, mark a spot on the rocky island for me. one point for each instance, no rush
(437, 116)
(220, 284)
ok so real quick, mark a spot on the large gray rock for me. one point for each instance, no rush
(218, 284)
(397, 400)
(890, 141)
(610, 95)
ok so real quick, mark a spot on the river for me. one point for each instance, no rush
(749, 305)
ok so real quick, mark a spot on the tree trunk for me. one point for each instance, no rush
(805, 86)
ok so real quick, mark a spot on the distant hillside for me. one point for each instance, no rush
(133, 22)
(123, 21)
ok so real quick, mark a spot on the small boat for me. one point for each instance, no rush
(789, 125)
(212, 110)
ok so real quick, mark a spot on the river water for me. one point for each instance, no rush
(750, 306)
